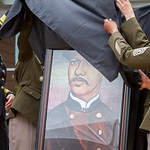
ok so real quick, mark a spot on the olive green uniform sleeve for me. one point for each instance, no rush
(135, 51)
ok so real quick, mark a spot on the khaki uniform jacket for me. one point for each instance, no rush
(136, 55)
(28, 75)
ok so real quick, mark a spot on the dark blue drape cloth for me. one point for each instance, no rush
(80, 25)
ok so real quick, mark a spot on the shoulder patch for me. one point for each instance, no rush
(117, 47)
(139, 51)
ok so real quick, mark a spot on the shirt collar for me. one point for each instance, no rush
(82, 102)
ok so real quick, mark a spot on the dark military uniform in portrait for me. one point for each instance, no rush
(70, 127)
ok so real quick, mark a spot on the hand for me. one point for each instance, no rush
(110, 26)
(125, 8)
(145, 81)
(9, 100)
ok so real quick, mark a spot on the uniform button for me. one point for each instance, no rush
(30, 93)
(3, 79)
(98, 115)
(13, 76)
(100, 132)
(1, 63)
(99, 148)
(3, 71)
(41, 78)
(2, 87)
(72, 116)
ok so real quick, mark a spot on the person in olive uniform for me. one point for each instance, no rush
(6, 98)
(83, 121)
(133, 52)
(25, 107)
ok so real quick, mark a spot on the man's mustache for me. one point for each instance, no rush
(80, 80)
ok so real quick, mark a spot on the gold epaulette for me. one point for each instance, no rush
(2, 19)
(6, 91)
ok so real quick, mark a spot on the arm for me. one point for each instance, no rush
(134, 34)
(133, 58)
(126, 51)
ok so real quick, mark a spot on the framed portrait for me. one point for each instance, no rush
(80, 109)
